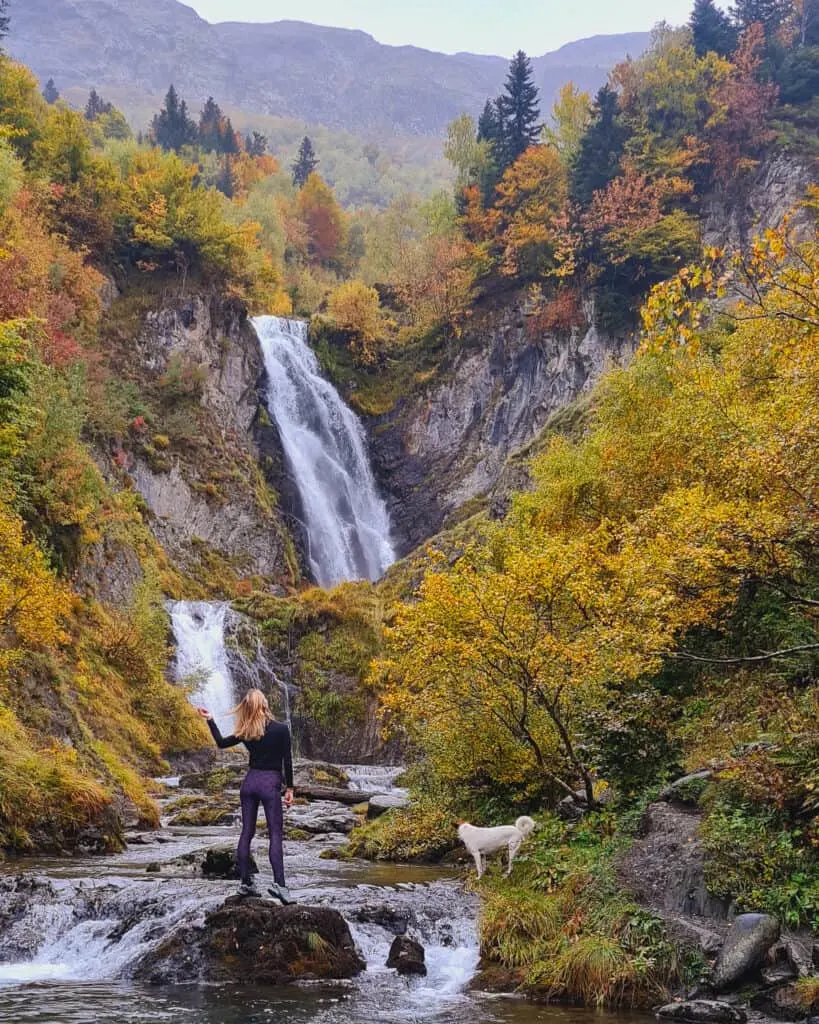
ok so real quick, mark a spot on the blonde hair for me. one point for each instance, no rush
(252, 715)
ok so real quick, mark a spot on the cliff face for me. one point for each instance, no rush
(208, 475)
(450, 443)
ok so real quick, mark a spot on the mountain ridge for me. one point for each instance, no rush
(340, 78)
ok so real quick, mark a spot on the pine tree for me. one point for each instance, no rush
(256, 144)
(228, 143)
(4, 18)
(172, 127)
(305, 164)
(489, 130)
(601, 148)
(51, 93)
(770, 13)
(210, 126)
(519, 111)
(712, 30)
(96, 106)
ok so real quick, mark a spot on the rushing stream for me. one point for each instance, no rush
(78, 928)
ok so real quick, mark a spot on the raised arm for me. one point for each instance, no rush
(221, 741)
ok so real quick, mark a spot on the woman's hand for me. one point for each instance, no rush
(288, 798)
(204, 713)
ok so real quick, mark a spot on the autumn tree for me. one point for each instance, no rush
(51, 93)
(323, 218)
(518, 112)
(172, 128)
(570, 119)
(306, 163)
(468, 154)
(354, 309)
(712, 30)
(530, 197)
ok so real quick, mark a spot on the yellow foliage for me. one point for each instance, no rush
(32, 600)
(354, 308)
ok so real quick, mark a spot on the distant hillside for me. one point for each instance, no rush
(338, 78)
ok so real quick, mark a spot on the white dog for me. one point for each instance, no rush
(482, 841)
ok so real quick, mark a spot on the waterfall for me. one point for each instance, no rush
(346, 522)
(201, 657)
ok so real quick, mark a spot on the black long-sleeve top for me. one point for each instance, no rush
(271, 753)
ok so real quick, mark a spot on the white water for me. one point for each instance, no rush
(199, 631)
(346, 522)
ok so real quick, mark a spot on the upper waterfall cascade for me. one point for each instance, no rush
(346, 522)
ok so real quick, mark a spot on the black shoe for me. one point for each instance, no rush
(249, 889)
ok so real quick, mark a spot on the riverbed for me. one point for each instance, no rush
(67, 957)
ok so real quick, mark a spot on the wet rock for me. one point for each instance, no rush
(703, 1011)
(351, 797)
(779, 974)
(392, 919)
(381, 802)
(319, 773)
(17, 896)
(748, 941)
(787, 1002)
(407, 956)
(326, 816)
(251, 941)
(799, 950)
(220, 862)
(664, 867)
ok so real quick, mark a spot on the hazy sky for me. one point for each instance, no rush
(479, 26)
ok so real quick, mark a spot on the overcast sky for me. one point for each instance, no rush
(479, 26)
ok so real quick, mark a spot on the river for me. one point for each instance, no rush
(96, 915)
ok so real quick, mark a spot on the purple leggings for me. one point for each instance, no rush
(265, 788)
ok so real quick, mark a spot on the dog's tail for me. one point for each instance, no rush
(525, 825)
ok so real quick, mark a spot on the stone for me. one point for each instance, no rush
(746, 945)
(382, 802)
(256, 942)
(220, 862)
(392, 919)
(786, 1002)
(407, 956)
(325, 816)
(779, 974)
(703, 1011)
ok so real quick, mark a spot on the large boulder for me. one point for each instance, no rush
(407, 956)
(381, 802)
(746, 946)
(252, 941)
(703, 1011)
(324, 816)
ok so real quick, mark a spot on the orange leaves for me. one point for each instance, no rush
(530, 196)
(40, 276)
(323, 218)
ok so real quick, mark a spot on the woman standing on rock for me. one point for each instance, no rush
(271, 763)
